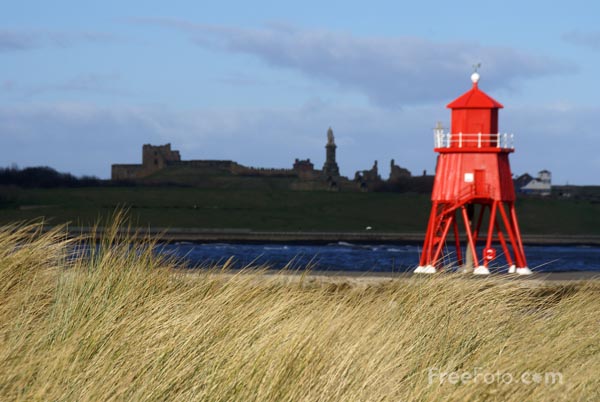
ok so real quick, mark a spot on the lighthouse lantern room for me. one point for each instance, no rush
(473, 193)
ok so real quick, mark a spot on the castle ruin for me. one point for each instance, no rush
(163, 165)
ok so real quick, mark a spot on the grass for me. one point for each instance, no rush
(221, 208)
(277, 210)
(124, 324)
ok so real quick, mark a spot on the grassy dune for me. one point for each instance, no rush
(122, 324)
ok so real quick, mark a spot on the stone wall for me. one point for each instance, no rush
(126, 172)
(264, 172)
(206, 164)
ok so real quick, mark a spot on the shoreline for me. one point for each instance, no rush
(379, 277)
(247, 236)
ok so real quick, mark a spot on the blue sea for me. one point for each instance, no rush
(344, 256)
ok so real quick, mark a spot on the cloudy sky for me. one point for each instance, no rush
(85, 84)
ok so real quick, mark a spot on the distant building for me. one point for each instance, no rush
(522, 180)
(156, 158)
(398, 173)
(304, 168)
(369, 180)
(330, 167)
(163, 165)
(541, 185)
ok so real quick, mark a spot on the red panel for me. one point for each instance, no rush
(475, 121)
(481, 185)
(469, 121)
(459, 118)
(507, 186)
(455, 177)
(478, 121)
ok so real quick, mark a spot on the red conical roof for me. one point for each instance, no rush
(474, 99)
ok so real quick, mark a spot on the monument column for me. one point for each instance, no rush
(330, 167)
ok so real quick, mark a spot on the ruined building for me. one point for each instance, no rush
(156, 158)
(304, 168)
(368, 180)
(398, 173)
(163, 165)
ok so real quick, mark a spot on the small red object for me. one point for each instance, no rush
(473, 177)
(489, 254)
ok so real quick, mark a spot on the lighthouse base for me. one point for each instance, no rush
(519, 271)
(428, 269)
(485, 222)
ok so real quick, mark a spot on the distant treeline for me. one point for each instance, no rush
(44, 177)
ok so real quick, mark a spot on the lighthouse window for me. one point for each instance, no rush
(468, 177)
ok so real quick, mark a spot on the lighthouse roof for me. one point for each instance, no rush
(475, 99)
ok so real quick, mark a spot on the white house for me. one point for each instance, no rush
(541, 185)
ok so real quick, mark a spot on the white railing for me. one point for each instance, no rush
(461, 140)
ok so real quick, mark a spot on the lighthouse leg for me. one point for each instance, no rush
(424, 253)
(490, 233)
(511, 266)
(511, 236)
(468, 263)
(479, 222)
(523, 270)
(480, 270)
(426, 262)
(442, 240)
(459, 258)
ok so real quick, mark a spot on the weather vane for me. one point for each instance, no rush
(476, 67)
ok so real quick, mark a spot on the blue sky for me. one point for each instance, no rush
(84, 85)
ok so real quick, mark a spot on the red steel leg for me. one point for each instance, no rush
(469, 235)
(457, 240)
(509, 259)
(479, 221)
(511, 236)
(442, 241)
(513, 214)
(490, 233)
(426, 253)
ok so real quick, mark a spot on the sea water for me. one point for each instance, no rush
(344, 256)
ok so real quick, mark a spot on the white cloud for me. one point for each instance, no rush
(15, 40)
(87, 83)
(390, 71)
(11, 40)
(590, 40)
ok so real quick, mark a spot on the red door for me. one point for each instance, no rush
(480, 184)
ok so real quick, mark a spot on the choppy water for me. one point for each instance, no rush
(365, 257)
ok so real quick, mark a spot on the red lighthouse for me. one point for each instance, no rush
(473, 192)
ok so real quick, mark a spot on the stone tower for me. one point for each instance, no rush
(330, 167)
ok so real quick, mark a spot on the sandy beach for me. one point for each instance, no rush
(382, 277)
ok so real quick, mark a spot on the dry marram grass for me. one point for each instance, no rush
(119, 323)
